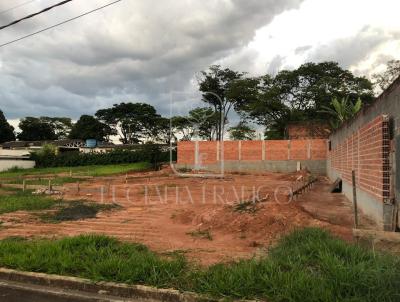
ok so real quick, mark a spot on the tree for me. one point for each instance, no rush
(134, 122)
(204, 122)
(241, 132)
(181, 127)
(88, 127)
(6, 130)
(297, 95)
(342, 111)
(214, 85)
(61, 125)
(162, 131)
(34, 129)
(384, 79)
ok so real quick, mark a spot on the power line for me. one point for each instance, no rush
(58, 24)
(16, 6)
(35, 14)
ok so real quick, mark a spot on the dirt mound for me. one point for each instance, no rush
(264, 223)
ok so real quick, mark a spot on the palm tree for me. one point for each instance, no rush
(341, 110)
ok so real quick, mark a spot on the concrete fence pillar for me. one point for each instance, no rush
(218, 150)
(263, 150)
(196, 153)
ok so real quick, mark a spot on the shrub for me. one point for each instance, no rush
(147, 153)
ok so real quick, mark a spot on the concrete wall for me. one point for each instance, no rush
(254, 156)
(282, 166)
(364, 146)
(6, 164)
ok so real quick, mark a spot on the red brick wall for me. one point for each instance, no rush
(185, 152)
(231, 150)
(253, 150)
(366, 152)
(277, 150)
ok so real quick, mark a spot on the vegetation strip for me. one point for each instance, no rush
(95, 170)
(16, 200)
(308, 265)
(24, 201)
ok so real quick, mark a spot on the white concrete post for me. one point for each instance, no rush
(263, 150)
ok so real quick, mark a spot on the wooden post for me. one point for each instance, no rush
(353, 176)
(70, 173)
(50, 187)
(23, 185)
(126, 178)
(78, 188)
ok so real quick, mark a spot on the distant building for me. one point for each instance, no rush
(308, 130)
(64, 144)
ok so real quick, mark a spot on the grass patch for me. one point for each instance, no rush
(100, 170)
(202, 234)
(308, 265)
(95, 257)
(13, 200)
(24, 201)
(77, 210)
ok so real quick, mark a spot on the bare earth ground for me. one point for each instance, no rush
(166, 213)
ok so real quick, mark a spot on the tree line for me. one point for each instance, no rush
(314, 91)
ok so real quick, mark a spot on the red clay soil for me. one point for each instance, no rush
(169, 213)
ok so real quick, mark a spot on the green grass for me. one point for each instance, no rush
(18, 201)
(93, 257)
(309, 265)
(12, 200)
(101, 170)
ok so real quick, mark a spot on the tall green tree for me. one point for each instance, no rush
(214, 85)
(242, 131)
(61, 125)
(297, 95)
(6, 130)
(134, 122)
(34, 129)
(204, 122)
(182, 128)
(88, 127)
(384, 79)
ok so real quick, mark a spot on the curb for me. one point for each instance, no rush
(100, 288)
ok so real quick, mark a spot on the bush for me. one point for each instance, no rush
(148, 153)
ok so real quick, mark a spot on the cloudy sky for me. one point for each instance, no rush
(142, 50)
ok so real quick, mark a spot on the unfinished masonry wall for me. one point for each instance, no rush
(366, 152)
(254, 156)
(367, 144)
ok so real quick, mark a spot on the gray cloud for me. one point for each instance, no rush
(352, 50)
(302, 49)
(136, 50)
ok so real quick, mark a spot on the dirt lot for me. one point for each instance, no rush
(199, 217)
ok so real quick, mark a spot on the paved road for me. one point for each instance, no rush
(18, 292)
